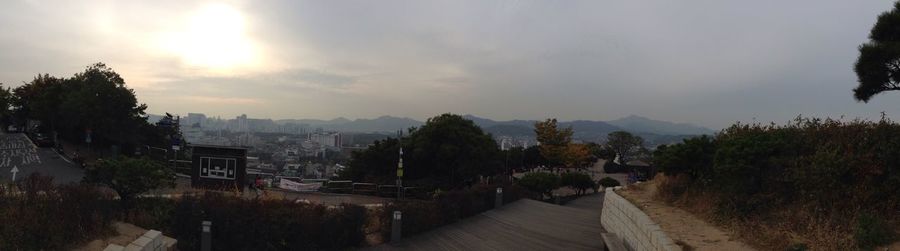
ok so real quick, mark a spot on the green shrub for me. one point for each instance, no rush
(872, 232)
(578, 181)
(130, 176)
(608, 182)
(541, 183)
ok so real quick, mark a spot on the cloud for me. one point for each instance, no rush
(209, 100)
(707, 62)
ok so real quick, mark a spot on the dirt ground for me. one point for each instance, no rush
(683, 227)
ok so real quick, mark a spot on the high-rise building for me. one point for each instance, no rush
(194, 118)
(326, 139)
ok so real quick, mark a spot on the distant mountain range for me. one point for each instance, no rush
(654, 132)
(641, 124)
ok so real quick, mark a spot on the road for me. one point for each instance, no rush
(16, 150)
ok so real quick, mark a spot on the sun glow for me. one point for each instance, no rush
(214, 38)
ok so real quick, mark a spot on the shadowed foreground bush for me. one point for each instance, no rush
(239, 224)
(48, 217)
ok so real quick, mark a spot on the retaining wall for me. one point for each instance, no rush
(152, 240)
(636, 229)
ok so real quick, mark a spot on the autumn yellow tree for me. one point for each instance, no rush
(557, 147)
(577, 155)
(554, 141)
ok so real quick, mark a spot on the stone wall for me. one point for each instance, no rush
(152, 240)
(636, 229)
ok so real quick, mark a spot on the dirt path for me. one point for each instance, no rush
(681, 226)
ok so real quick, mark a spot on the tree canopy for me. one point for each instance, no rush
(625, 145)
(532, 157)
(554, 141)
(878, 66)
(95, 102)
(446, 152)
(6, 101)
(557, 147)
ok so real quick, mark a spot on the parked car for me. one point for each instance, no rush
(41, 139)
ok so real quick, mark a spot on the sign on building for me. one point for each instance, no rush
(219, 167)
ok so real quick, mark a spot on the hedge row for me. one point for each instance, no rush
(48, 217)
(240, 224)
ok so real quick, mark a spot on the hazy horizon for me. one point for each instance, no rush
(708, 63)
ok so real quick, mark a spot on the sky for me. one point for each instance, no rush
(706, 62)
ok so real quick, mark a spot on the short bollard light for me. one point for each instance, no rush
(395, 227)
(206, 236)
(498, 200)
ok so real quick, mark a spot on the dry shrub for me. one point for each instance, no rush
(672, 189)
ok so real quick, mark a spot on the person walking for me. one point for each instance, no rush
(259, 186)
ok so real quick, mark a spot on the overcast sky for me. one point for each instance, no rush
(707, 62)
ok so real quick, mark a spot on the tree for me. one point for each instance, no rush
(557, 147)
(447, 152)
(878, 66)
(554, 141)
(577, 155)
(450, 151)
(378, 163)
(625, 145)
(6, 101)
(601, 151)
(95, 101)
(40, 99)
(514, 157)
(694, 156)
(98, 100)
(542, 183)
(533, 158)
(130, 177)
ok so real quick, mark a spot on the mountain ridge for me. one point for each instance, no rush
(588, 130)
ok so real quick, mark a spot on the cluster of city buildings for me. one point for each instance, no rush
(289, 150)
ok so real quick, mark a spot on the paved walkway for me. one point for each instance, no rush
(522, 225)
(591, 201)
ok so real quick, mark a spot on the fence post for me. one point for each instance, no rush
(206, 236)
(396, 227)
(498, 200)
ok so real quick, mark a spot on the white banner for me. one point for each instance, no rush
(297, 186)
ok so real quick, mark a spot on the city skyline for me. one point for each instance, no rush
(759, 61)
